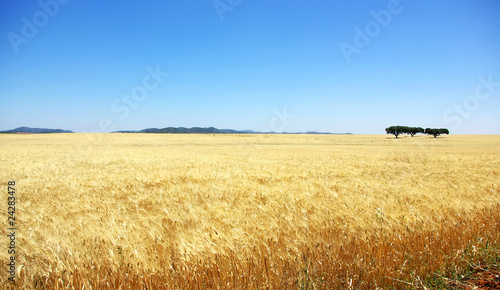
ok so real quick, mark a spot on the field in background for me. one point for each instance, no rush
(248, 211)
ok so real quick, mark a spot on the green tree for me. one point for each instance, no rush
(415, 130)
(396, 130)
(436, 132)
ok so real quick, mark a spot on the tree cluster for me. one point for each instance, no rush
(398, 130)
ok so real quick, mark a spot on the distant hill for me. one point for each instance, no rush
(211, 130)
(167, 130)
(183, 130)
(36, 130)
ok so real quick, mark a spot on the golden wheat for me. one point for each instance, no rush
(246, 211)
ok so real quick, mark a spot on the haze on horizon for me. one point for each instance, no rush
(327, 66)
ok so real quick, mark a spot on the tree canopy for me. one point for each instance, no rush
(436, 132)
(398, 130)
(415, 130)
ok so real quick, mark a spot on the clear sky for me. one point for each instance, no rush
(284, 65)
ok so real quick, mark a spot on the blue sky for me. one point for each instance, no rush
(337, 66)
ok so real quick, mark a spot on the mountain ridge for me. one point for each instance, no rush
(166, 130)
(213, 130)
(29, 130)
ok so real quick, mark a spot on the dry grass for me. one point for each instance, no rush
(248, 211)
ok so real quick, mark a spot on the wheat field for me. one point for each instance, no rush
(166, 211)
